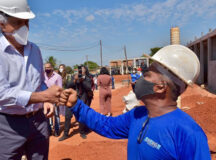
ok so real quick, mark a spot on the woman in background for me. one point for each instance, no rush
(104, 82)
(63, 74)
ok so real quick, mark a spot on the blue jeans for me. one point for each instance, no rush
(56, 121)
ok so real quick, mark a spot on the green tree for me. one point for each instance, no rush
(75, 66)
(154, 50)
(68, 69)
(52, 61)
(91, 65)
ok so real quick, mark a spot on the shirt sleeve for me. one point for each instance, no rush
(195, 147)
(11, 96)
(59, 81)
(110, 127)
(43, 86)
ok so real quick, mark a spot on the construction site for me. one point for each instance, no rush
(198, 101)
(64, 96)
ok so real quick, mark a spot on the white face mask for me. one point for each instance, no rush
(61, 70)
(20, 35)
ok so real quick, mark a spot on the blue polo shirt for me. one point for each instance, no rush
(172, 136)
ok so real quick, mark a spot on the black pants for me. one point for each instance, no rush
(82, 127)
(68, 116)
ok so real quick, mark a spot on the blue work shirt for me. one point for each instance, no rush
(134, 77)
(172, 136)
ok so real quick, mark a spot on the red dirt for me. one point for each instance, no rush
(201, 104)
(203, 111)
(95, 146)
(119, 78)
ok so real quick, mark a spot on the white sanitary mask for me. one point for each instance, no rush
(61, 70)
(20, 35)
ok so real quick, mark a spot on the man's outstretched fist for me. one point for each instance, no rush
(68, 97)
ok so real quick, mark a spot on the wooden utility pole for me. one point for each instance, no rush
(101, 53)
(125, 52)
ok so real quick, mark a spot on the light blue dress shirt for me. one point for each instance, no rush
(19, 77)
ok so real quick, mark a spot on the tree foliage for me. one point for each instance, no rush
(154, 50)
(75, 66)
(69, 70)
(52, 61)
(91, 65)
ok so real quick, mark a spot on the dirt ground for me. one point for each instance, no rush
(197, 102)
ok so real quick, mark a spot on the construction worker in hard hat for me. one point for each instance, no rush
(158, 130)
(24, 127)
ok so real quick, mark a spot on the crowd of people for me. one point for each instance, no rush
(84, 84)
(30, 93)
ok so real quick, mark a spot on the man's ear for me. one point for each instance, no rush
(2, 26)
(160, 88)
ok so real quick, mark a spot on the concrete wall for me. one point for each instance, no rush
(212, 64)
(205, 49)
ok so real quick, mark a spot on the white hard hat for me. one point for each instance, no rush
(16, 8)
(180, 60)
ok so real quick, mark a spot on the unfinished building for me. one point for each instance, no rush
(205, 48)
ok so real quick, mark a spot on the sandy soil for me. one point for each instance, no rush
(197, 102)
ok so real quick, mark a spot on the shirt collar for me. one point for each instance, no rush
(4, 43)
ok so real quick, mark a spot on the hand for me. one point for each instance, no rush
(68, 97)
(48, 109)
(53, 94)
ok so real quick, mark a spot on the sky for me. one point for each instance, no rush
(70, 30)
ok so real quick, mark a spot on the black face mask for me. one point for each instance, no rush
(143, 88)
(48, 71)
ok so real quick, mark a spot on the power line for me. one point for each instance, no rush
(66, 50)
(60, 46)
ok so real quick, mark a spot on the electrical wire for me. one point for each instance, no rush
(57, 46)
(66, 50)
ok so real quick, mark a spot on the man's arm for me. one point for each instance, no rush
(51, 95)
(10, 95)
(110, 127)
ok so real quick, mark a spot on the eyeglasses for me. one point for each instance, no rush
(143, 131)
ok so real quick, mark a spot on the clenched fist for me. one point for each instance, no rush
(53, 94)
(68, 97)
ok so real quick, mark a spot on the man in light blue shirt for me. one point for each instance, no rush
(24, 127)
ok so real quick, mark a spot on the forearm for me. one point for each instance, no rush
(38, 97)
(110, 127)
